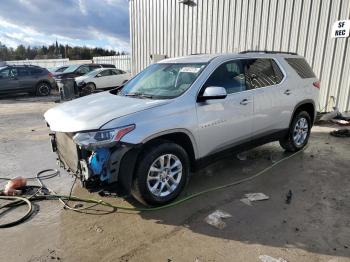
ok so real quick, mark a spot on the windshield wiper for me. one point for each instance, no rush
(141, 95)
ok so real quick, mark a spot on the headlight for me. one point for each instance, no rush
(102, 138)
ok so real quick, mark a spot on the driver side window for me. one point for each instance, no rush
(8, 72)
(105, 73)
(230, 76)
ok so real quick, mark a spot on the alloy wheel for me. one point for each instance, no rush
(164, 175)
(300, 131)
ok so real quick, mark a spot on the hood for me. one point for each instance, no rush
(64, 75)
(93, 111)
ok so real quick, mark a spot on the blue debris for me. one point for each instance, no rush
(98, 163)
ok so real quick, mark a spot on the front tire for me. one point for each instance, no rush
(161, 173)
(88, 89)
(298, 134)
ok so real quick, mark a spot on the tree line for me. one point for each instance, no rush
(53, 51)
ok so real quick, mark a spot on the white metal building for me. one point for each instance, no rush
(173, 28)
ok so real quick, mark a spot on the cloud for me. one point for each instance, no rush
(83, 22)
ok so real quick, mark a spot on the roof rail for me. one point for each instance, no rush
(267, 52)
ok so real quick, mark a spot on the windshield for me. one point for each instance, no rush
(92, 73)
(163, 80)
(71, 68)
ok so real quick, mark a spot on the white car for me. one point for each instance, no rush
(183, 113)
(101, 78)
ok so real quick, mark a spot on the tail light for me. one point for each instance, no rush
(50, 74)
(317, 84)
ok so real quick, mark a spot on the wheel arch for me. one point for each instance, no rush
(129, 160)
(178, 136)
(307, 105)
(43, 81)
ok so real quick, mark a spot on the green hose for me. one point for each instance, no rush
(182, 200)
(53, 195)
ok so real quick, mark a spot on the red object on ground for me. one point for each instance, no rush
(14, 184)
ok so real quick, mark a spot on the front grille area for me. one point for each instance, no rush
(67, 151)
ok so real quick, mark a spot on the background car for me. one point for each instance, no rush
(101, 78)
(58, 69)
(26, 78)
(73, 71)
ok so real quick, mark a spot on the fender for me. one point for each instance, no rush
(172, 131)
(303, 102)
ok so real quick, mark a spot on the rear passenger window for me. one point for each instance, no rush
(301, 67)
(35, 71)
(229, 75)
(22, 71)
(278, 73)
(262, 72)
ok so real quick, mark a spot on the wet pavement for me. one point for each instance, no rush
(315, 226)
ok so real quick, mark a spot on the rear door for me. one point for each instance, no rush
(224, 123)
(272, 99)
(117, 77)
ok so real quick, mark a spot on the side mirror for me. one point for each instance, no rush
(213, 92)
(98, 75)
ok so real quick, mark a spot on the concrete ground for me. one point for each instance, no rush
(315, 226)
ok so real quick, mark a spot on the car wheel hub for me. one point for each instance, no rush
(301, 131)
(164, 175)
(44, 89)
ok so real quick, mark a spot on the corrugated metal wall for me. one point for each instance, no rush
(171, 28)
(121, 61)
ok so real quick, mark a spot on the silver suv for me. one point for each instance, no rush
(181, 114)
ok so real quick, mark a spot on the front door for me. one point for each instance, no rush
(9, 80)
(104, 80)
(224, 123)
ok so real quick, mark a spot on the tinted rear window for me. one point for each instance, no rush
(301, 67)
(35, 70)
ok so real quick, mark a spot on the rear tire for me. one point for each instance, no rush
(298, 134)
(43, 89)
(161, 173)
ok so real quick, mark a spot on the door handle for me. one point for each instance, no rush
(287, 92)
(245, 102)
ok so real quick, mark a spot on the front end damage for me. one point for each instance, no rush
(96, 164)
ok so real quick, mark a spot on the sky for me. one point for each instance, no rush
(93, 23)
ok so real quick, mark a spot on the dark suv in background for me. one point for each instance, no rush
(26, 78)
(79, 70)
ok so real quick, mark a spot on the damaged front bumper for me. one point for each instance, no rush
(103, 165)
